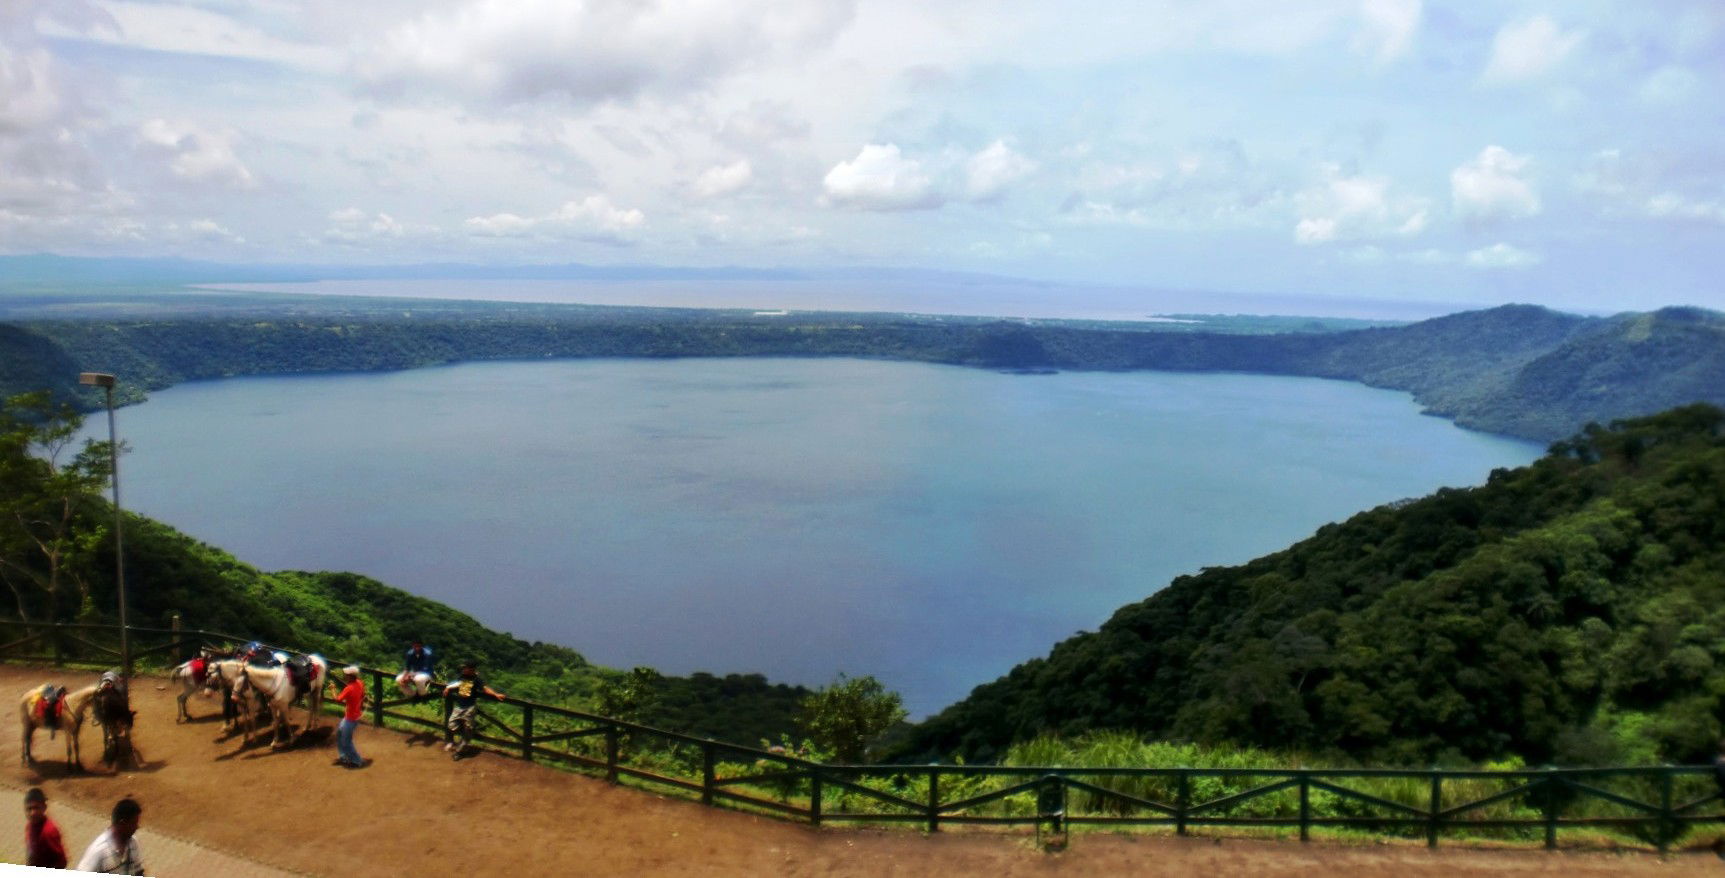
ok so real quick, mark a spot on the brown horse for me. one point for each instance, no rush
(112, 710)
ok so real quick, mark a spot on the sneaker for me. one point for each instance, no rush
(449, 747)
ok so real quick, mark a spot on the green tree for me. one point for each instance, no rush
(48, 538)
(847, 716)
(630, 696)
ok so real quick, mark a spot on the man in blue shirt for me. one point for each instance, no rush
(415, 681)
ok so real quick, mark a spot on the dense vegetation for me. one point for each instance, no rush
(1520, 370)
(1572, 611)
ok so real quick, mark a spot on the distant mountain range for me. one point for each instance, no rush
(1520, 370)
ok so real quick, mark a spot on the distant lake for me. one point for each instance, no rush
(930, 525)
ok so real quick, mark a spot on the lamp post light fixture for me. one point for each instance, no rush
(106, 382)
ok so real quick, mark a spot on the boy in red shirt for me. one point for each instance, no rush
(353, 697)
(42, 843)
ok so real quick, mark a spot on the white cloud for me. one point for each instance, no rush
(1671, 205)
(1670, 85)
(195, 154)
(1527, 49)
(1373, 254)
(1212, 185)
(201, 230)
(162, 27)
(513, 51)
(989, 172)
(352, 226)
(500, 225)
(723, 179)
(1387, 28)
(593, 219)
(879, 178)
(1492, 187)
(1502, 255)
(1345, 208)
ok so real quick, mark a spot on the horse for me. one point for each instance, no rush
(238, 706)
(112, 710)
(277, 688)
(192, 677)
(63, 712)
(116, 720)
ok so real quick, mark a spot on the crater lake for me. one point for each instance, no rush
(929, 525)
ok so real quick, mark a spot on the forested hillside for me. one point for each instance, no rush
(1572, 610)
(1518, 369)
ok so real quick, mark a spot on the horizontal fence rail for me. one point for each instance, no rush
(1655, 805)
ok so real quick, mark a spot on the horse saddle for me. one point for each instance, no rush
(50, 702)
(301, 673)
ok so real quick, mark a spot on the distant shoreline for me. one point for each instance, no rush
(1003, 299)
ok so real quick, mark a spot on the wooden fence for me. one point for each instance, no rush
(1655, 805)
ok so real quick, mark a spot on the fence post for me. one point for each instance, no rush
(933, 799)
(707, 774)
(1305, 806)
(377, 698)
(1432, 817)
(1550, 784)
(1667, 827)
(1051, 803)
(815, 796)
(1182, 801)
(527, 732)
(611, 753)
(174, 626)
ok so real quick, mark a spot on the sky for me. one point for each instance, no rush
(1569, 153)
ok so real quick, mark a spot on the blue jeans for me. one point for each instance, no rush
(344, 741)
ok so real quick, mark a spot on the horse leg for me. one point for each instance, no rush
(74, 754)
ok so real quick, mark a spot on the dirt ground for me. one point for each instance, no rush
(414, 812)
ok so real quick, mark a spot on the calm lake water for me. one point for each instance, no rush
(929, 525)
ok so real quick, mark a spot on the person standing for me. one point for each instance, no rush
(461, 699)
(42, 844)
(352, 696)
(115, 851)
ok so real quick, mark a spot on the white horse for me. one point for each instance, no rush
(276, 689)
(192, 677)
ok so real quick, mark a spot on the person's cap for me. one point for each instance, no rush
(35, 795)
(351, 670)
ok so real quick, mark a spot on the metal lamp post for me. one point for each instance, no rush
(106, 382)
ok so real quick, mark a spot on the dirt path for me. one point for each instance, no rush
(414, 812)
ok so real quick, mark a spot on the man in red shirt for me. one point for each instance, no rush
(42, 843)
(353, 697)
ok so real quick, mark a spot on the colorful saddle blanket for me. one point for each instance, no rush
(47, 704)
